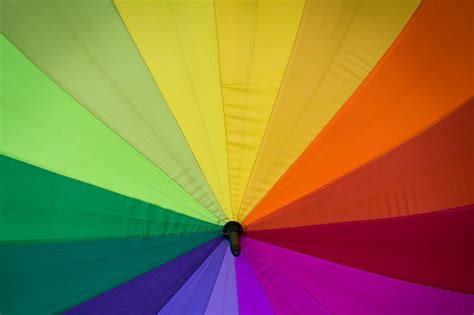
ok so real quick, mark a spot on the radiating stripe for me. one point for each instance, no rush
(255, 42)
(301, 284)
(252, 299)
(37, 205)
(424, 76)
(49, 278)
(44, 126)
(432, 171)
(178, 41)
(223, 299)
(284, 295)
(432, 249)
(338, 44)
(86, 49)
(193, 296)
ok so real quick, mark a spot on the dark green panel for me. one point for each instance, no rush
(45, 278)
(37, 205)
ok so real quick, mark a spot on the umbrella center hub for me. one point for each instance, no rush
(232, 231)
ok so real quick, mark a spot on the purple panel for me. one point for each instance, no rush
(252, 300)
(341, 289)
(430, 242)
(224, 295)
(284, 294)
(193, 296)
(149, 292)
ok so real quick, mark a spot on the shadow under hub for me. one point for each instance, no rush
(232, 231)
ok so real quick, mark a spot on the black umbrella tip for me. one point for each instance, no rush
(232, 226)
(232, 231)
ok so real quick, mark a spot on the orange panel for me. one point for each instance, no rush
(424, 76)
(432, 171)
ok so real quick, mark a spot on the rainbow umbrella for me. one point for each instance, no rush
(237, 157)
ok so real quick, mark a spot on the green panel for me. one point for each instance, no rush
(44, 126)
(44, 278)
(86, 49)
(38, 205)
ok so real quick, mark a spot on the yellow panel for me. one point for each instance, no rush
(255, 43)
(338, 44)
(178, 41)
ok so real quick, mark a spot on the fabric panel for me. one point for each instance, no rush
(315, 283)
(183, 59)
(415, 85)
(433, 249)
(37, 205)
(194, 295)
(338, 44)
(432, 171)
(252, 299)
(223, 299)
(46, 127)
(66, 274)
(284, 295)
(84, 47)
(255, 39)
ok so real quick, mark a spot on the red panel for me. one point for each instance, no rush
(431, 172)
(422, 78)
(435, 249)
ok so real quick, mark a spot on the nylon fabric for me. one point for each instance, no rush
(150, 291)
(338, 44)
(415, 85)
(45, 127)
(37, 205)
(432, 249)
(430, 172)
(284, 295)
(255, 41)
(223, 298)
(183, 60)
(252, 299)
(86, 49)
(340, 289)
(194, 295)
(48, 278)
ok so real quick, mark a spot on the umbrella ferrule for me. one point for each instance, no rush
(232, 231)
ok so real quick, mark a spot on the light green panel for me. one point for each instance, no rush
(37, 206)
(44, 126)
(86, 49)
